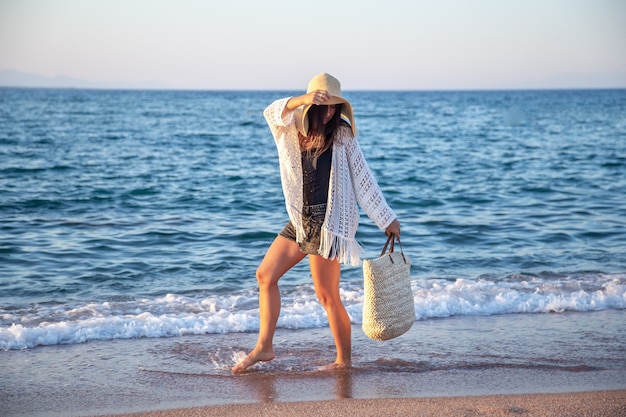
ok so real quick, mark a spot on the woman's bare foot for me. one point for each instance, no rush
(333, 366)
(251, 359)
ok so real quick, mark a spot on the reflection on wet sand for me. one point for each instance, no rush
(267, 388)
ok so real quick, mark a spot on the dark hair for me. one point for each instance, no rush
(320, 137)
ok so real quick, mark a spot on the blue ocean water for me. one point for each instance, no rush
(128, 214)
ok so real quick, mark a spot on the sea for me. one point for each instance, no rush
(144, 214)
(132, 224)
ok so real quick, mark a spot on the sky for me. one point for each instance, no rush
(281, 44)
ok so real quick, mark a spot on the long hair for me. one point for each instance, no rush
(320, 136)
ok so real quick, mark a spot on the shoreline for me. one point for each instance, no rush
(592, 403)
(476, 361)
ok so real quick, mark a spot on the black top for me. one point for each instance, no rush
(315, 177)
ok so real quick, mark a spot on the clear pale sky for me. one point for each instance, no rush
(279, 44)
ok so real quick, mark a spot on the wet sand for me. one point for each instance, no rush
(601, 403)
(543, 365)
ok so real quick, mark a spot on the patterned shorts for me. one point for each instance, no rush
(312, 220)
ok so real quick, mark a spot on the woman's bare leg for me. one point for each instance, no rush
(326, 274)
(281, 256)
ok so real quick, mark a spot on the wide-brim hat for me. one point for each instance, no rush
(330, 84)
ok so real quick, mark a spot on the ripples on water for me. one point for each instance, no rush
(117, 195)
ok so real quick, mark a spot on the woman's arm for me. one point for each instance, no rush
(368, 192)
(314, 97)
(394, 229)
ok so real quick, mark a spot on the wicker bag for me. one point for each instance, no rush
(388, 309)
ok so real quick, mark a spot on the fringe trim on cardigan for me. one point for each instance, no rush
(347, 251)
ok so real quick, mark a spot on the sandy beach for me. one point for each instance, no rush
(528, 365)
(601, 403)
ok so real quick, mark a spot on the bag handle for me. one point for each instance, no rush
(391, 239)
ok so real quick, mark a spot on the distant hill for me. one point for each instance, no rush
(597, 80)
(12, 78)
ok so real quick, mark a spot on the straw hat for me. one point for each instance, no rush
(330, 84)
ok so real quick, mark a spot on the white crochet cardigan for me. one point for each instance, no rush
(351, 181)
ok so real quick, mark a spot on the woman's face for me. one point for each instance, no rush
(330, 112)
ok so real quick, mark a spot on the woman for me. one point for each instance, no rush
(324, 175)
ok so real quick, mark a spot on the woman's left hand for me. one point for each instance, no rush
(393, 229)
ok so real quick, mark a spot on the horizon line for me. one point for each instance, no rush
(164, 89)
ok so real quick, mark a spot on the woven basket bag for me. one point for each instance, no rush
(388, 309)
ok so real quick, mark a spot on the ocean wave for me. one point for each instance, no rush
(177, 315)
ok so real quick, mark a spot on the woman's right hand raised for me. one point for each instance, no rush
(318, 97)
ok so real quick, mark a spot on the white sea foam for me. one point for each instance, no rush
(177, 315)
(440, 298)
